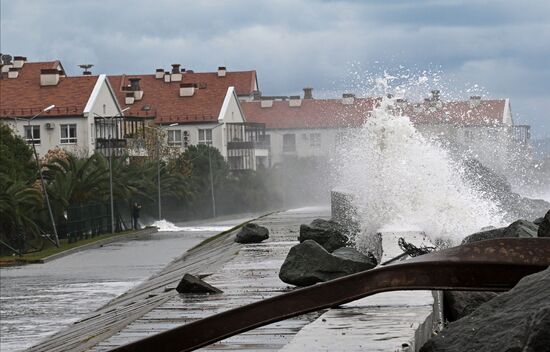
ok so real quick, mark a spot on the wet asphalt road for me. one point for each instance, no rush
(38, 300)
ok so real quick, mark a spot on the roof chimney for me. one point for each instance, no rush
(19, 61)
(187, 89)
(435, 95)
(475, 100)
(308, 93)
(49, 77)
(222, 71)
(266, 103)
(167, 77)
(176, 73)
(6, 68)
(348, 98)
(159, 73)
(13, 72)
(129, 99)
(295, 101)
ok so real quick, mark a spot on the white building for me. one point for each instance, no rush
(26, 88)
(305, 127)
(198, 108)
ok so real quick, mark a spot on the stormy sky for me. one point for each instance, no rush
(500, 48)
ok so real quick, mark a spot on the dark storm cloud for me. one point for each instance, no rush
(503, 46)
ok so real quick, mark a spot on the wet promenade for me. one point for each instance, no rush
(38, 300)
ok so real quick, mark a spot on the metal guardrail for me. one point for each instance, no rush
(493, 265)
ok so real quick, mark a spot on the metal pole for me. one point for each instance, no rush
(211, 182)
(44, 187)
(111, 185)
(158, 176)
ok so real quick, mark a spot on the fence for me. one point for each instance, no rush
(90, 219)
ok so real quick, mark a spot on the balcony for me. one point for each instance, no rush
(245, 143)
(115, 134)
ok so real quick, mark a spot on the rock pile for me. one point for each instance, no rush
(544, 225)
(322, 255)
(519, 228)
(517, 320)
(480, 323)
(327, 233)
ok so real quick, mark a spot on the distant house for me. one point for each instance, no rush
(198, 108)
(480, 128)
(26, 88)
(306, 126)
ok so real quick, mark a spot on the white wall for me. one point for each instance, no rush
(304, 148)
(101, 102)
(51, 138)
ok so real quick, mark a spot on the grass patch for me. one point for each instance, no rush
(50, 249)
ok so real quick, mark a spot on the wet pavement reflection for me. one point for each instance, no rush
(38, 300)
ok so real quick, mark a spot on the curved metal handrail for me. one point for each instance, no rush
(493, 265)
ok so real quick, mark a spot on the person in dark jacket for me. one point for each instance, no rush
(135, 215)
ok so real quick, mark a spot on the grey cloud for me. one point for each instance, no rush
(502, 46)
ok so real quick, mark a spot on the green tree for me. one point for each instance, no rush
(20, 198)
(16, 157)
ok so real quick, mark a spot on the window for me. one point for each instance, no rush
(265, 140)
(32, 134)
(289, 142)
(174, 137)
(468, 135)
(68, 133)
(205, 137)
(315, 139)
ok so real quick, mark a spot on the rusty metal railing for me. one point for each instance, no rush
(493, 265)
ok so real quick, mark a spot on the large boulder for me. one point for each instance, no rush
(192, 284)
(519, 228)
(328, 233)
(309, 263)
(544, 226)
(252, 233)
(517, 320)
(349, 253)
(458, 304)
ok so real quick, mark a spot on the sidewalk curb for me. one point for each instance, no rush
(139, 233)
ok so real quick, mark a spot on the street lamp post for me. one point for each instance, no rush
(43, 184)
(211, 174)
(110, 119)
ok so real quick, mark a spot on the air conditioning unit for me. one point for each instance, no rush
(186, 139)
(50, 125)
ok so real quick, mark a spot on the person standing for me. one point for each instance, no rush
(135, 215)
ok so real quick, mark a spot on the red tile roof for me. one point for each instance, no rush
(331, 113)
(486, 112)
(161, 100)
(313, 113)
(24, 97)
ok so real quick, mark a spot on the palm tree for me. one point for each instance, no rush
(19, 206)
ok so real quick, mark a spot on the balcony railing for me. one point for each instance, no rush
(248, 145)
(246, 136)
